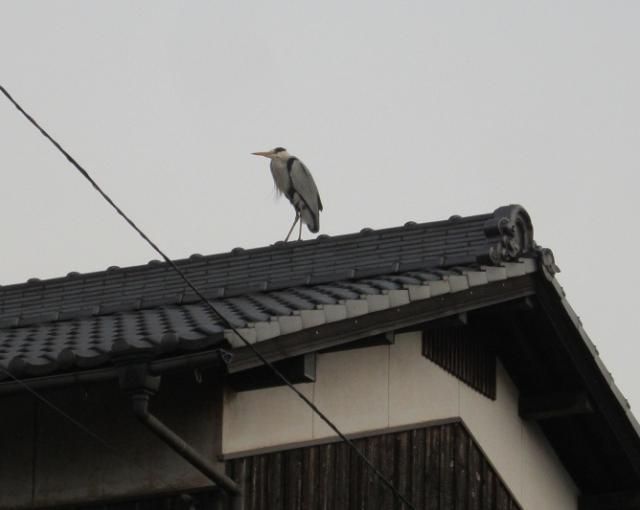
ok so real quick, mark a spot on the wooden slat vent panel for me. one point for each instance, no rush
(465, 353)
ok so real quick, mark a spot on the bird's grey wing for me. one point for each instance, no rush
(307, 200)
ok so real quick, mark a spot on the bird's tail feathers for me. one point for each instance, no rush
(310, 220)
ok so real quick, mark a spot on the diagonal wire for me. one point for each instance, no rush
(211, 306)
(109, 447)
(62, 413)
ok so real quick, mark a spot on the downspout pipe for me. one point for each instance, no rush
(140, 385)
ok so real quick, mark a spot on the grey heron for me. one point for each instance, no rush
(293, 179)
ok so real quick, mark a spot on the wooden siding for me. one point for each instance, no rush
(465, 353)
(437, 468)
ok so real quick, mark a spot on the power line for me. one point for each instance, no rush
(210, 305)
(62, 413)
(112, 449)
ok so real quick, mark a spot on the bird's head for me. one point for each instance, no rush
(277, 153)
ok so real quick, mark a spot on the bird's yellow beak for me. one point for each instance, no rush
(267, 154)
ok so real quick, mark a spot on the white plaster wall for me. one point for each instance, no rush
(261, 418)
(358, 396)
(390, 386)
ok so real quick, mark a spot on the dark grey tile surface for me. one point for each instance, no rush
(74, 322)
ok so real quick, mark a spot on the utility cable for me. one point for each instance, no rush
(112, 449)
(62, 413)
(211, 306)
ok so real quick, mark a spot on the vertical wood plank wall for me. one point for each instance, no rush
(465, 353)
(437, 468)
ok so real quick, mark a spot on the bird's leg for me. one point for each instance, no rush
(300, 232)
(292, 226)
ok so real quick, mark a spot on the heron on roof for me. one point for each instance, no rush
(293, 179)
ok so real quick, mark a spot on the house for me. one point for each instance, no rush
(446, 351)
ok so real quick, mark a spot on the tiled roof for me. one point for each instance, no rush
(73, 323)
(306, 292)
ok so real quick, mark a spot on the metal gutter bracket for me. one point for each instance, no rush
(140, 385)
(136, 380)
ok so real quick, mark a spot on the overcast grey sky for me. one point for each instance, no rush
(403, 110)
